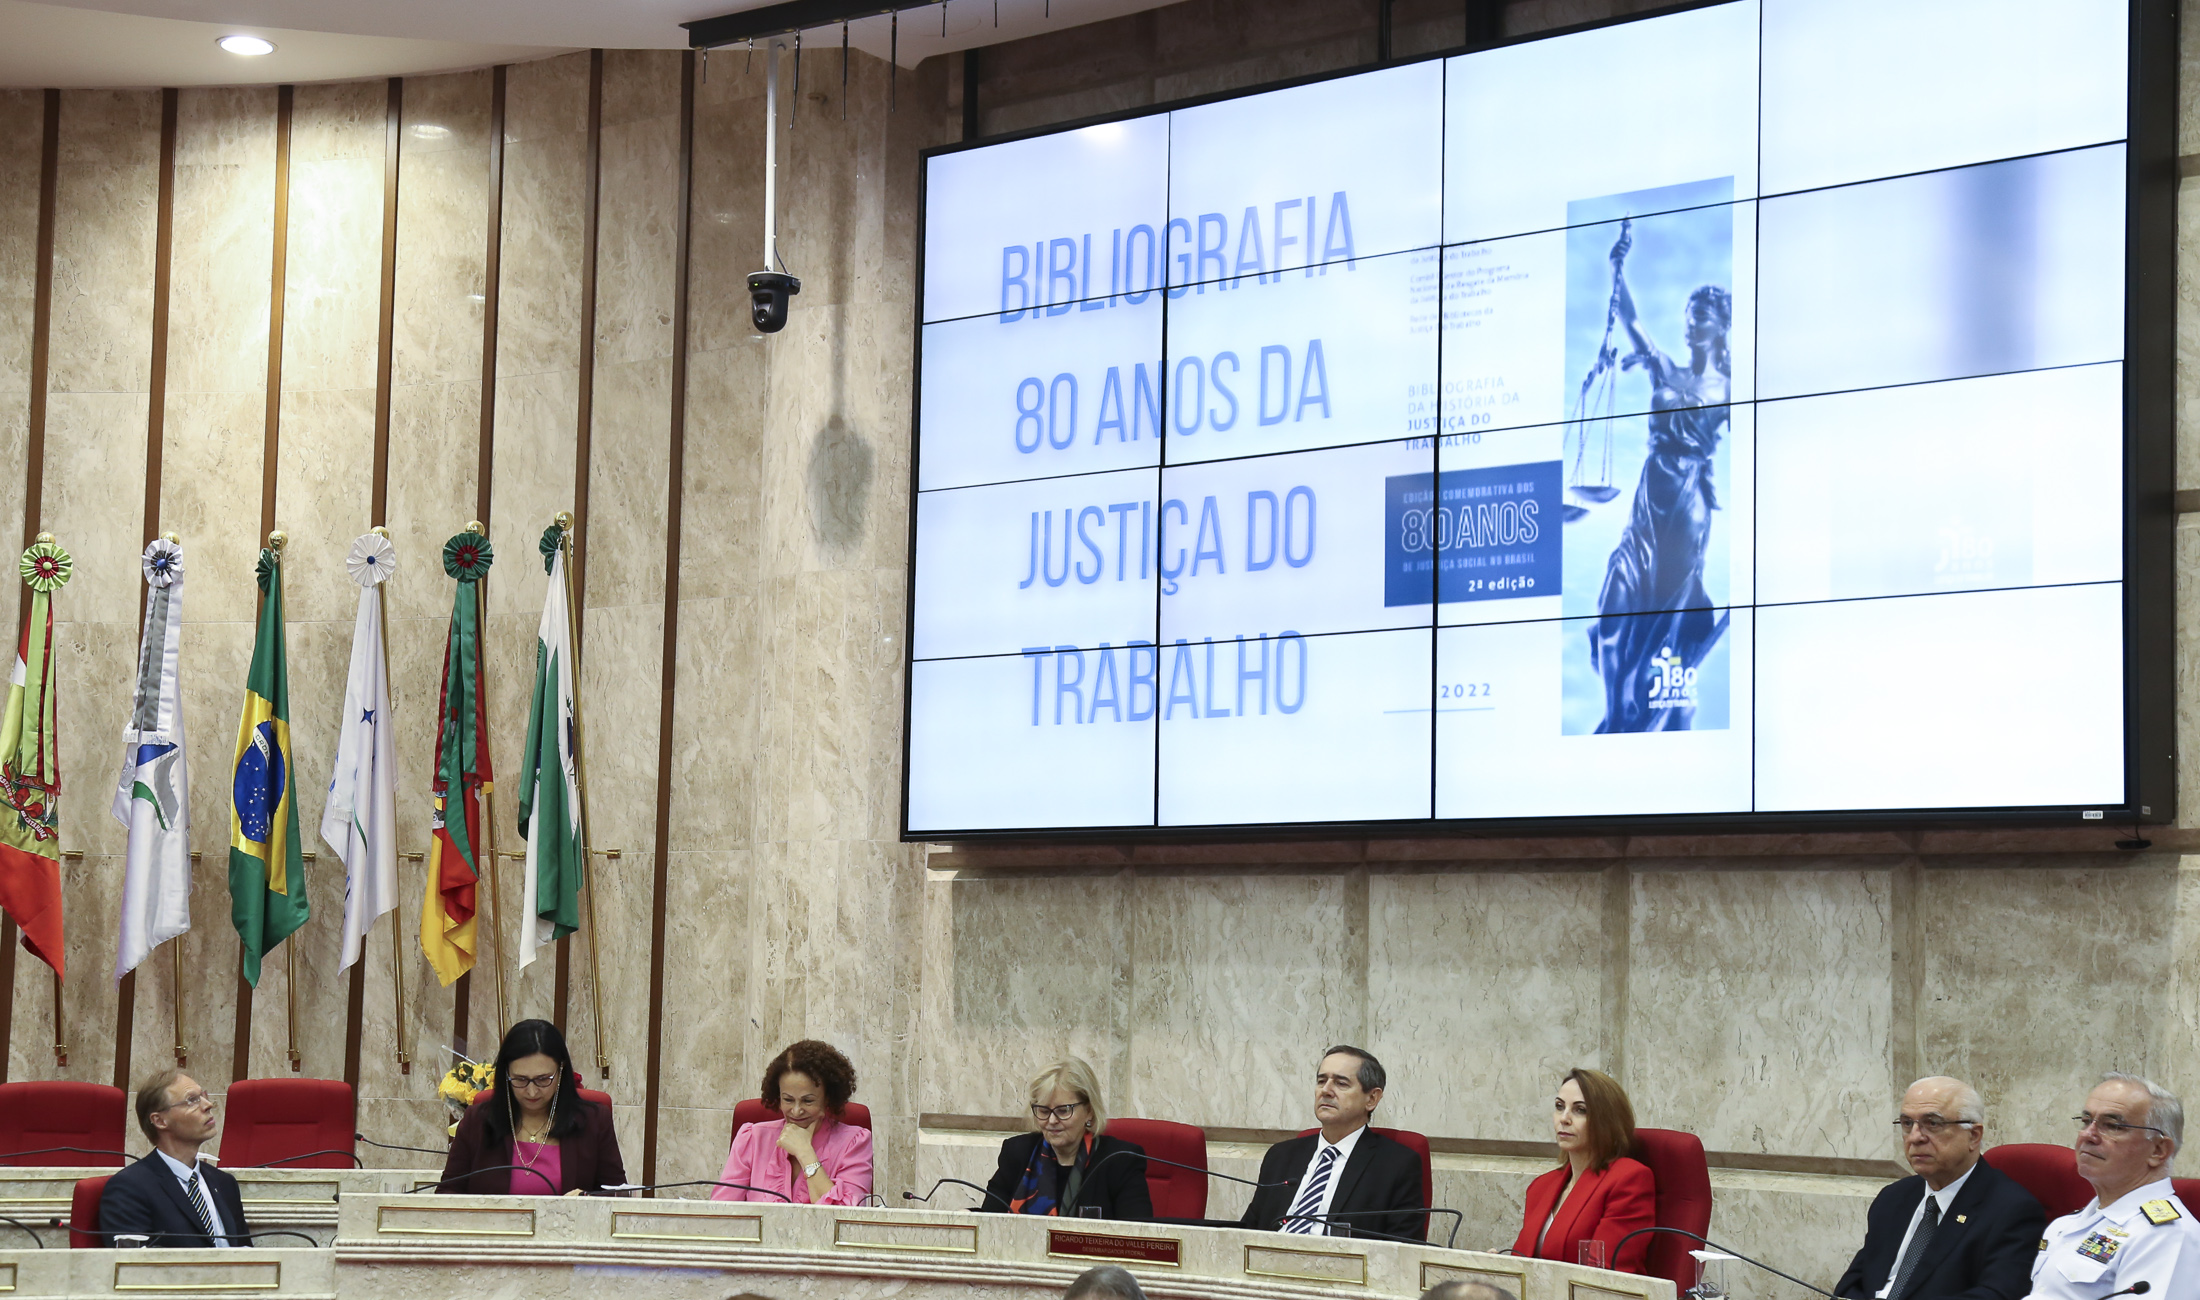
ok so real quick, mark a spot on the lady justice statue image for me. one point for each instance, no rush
(1655, 623)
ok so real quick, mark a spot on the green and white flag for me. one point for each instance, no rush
(549, 782)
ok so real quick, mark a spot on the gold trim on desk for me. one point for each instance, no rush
(1593, 1291)
(840, 1225)
(1359, 1259)
(1462, 1273)
(382, 1210)
(8, 1269)
(186, 1268)
(668, 1216)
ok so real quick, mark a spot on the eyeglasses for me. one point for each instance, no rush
(1044, 1113)
(193, 1101)
(537, 1081)
(1934, 1125)
(2111, 1126)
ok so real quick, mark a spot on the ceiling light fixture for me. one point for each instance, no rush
(249, 46)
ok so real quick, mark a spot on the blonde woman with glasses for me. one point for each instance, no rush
(1067, 1166)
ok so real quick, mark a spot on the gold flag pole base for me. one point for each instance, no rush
(290, 959)
(60, 1032)
(580, 780)
(183, 1053)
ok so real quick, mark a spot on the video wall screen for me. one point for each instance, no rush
(1721, 412)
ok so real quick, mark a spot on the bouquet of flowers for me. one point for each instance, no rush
(464, 1081)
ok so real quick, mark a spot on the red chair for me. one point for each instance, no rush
(751, 1110)
(84, 1213)
(1677, 1161)
(1418, 1145)
(35, 1117)
(602, 1099)
(2186, 1189)
(1177, 1193)
(272, 1122)
(2047, 1171)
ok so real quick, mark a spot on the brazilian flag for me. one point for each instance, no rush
(267, 881)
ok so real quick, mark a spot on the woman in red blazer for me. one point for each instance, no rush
(1597, 1193)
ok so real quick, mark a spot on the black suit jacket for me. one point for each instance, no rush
(1118, 1187)
(146, 1198)
(1982, 1250)
(1379, 1175)
(587, 1160)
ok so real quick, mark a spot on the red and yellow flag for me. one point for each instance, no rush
(30, 767)
(461, 772)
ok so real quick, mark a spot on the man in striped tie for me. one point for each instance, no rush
(169, 1197)
(1346, 1179)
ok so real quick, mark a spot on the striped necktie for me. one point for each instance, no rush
(1310, 1196)
(195, 1192)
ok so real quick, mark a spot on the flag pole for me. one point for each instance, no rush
(175, 945)
(60, 1036)
(488, 848)
(580, 776)
(276, 540)
(397, 932)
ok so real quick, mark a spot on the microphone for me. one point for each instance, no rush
(982, 1191)
(2136, 1288)
(1456, 1219)
(699, 1182)
(47, 1151)
(1682, 1232)
(307, 1156)
(33, 1234)
(490, 1169)
(1157, 1160)
(440, 1155)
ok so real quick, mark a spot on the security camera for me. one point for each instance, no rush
(768, 295)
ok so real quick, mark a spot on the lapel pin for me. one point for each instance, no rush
(1963, 1218)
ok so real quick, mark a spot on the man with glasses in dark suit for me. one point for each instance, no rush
(169, 1197)
(1958, 1227)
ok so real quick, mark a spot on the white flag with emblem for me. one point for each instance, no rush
(360, 822)
(153, 795)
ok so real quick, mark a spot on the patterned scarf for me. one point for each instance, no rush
(1042, 1190)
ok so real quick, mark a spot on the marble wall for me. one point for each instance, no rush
(1773, 1002)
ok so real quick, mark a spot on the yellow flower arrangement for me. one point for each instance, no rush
(461, 1084)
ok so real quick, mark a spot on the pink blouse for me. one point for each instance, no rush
(843, 1149)
(542, 1157)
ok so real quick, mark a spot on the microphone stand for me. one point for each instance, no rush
(699, 1182)
(348, 1155)
(1683, 1232)
(387, 1147)
(225, 1236)
(28, 1231)
(1449, 1243)
(1006, 1208)
(47, 1151)
(1157, 1160)
(490, 1169)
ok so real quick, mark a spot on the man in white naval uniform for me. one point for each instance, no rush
(2135, 1237)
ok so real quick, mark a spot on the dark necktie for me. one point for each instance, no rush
(195, 1192)
(1310, 1197)
(1919, 1240)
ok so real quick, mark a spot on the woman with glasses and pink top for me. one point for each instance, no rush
(806, 1156)
(533, 1134)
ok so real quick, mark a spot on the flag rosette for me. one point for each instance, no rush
(162, 563)
(46, 567)
(467, 557)
(372, 560)
(551, 537)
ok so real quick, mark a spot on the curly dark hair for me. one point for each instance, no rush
(822, 1062)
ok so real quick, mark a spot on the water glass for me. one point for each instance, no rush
(1592, 1252)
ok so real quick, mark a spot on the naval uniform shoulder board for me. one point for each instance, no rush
(2159, 1212)
(2043, 1243)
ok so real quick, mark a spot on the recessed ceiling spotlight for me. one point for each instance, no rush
(248, 46)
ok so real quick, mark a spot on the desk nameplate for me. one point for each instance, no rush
(430, 1221)
(1064, 1243)
(877, 1234)
(1514, 1280)
(1346, 1267)
(226, 1275)
(741, 1229)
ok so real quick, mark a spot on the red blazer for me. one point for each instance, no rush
(1609, 1205)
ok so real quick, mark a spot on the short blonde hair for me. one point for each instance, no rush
(1077, 1078)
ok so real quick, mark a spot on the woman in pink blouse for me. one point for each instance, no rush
(806, 1156)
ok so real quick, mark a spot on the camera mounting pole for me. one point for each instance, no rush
(770, 288)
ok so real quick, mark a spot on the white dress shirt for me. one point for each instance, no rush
(1947, 1197)
(183, 1174)
(1336, 1176)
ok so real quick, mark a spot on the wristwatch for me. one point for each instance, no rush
(810, 1170)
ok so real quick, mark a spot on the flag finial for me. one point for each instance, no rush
(277, 540)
